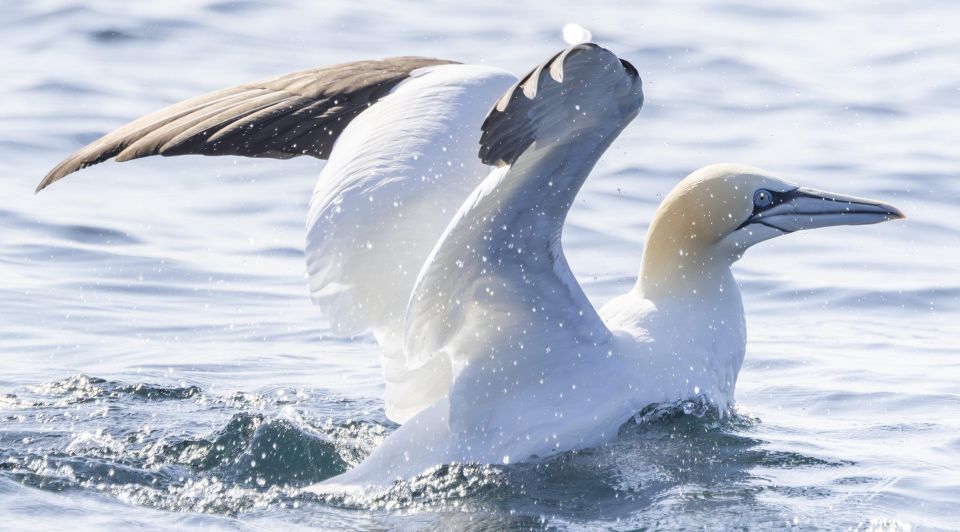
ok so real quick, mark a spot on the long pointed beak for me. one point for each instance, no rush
(806, 208)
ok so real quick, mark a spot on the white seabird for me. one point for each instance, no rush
(491, 351)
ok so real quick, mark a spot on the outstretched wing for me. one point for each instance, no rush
(398, 175)
(295, 114)
(496, 304)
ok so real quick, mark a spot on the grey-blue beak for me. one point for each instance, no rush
(807, 208)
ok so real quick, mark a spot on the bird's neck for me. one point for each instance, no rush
(678, 267)
(699, 319)
(697, 289)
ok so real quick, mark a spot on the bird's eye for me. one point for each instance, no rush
(762, 198)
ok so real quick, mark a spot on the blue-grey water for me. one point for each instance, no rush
(163, 367)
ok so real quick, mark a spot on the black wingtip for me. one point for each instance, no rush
(508, 132)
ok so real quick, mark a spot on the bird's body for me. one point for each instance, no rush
(571, 395)
(542, 377)
(491, 350)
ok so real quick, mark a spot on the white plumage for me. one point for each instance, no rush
(491, 351)
(397, 175)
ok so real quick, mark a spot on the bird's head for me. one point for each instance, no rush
(716, 213)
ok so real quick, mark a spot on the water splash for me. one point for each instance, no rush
(182, 448)
(574, 33)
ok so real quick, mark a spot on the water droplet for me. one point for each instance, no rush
(574, 33)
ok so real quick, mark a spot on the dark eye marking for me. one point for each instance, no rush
(764, 199)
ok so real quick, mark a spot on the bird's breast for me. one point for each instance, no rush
(679, 350)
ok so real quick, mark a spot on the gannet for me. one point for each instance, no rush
(491, 351)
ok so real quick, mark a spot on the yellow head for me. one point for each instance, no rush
(717, 212)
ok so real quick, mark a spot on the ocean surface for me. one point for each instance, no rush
(161, 365)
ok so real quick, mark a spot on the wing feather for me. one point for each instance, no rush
(295, 114)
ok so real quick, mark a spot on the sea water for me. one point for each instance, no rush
(161, 365)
